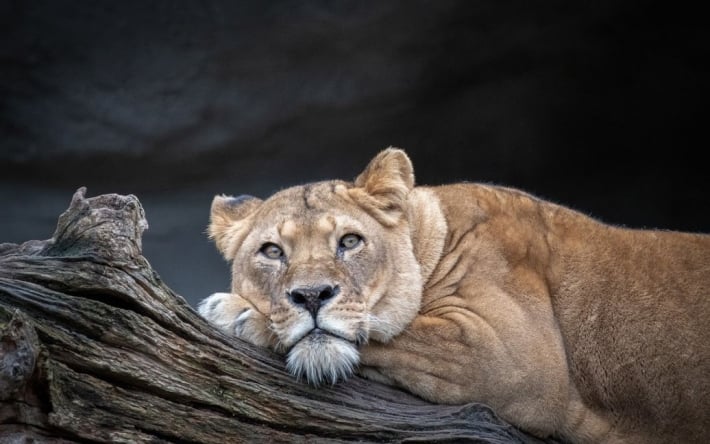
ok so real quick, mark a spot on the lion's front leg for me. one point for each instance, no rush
(238, 317)
(459, 357)
(426, 360)
(374, 374)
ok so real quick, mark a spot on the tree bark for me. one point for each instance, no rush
(94, 347)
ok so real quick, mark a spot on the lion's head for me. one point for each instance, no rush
(327, 266)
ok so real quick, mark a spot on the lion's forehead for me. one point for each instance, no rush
(314, 210)
(320, 225)
(312, 196)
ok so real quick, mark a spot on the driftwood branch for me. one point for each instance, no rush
(94, 347)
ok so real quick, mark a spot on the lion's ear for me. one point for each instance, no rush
(228, 217)
(384, 185)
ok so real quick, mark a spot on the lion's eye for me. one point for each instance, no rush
(272, 251)
(349, 241)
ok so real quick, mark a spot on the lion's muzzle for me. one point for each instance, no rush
(320, 349)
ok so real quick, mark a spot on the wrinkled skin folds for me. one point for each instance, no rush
(566, 326)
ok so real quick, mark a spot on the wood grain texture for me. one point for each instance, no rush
(94, 347)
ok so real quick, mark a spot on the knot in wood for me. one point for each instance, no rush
(109, 226)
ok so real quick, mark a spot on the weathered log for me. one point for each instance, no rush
(94, 347)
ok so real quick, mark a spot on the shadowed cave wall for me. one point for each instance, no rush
(600, 106)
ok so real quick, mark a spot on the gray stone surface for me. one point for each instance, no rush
(597, 105)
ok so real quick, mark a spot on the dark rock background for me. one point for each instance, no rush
(597, 105)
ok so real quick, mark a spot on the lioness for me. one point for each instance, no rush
(565, 326)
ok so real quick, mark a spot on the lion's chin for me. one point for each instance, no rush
(321, 358)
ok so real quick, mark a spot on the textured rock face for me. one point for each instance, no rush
(599, 106)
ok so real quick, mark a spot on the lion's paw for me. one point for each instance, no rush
(236, 316)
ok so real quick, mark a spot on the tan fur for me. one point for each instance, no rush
(461, 293)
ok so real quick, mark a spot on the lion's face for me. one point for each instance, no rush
(328, 266)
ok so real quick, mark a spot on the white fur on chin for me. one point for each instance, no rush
(322, 359)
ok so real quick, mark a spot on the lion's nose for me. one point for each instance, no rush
(312, 298)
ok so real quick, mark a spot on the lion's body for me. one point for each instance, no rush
(462, 293)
